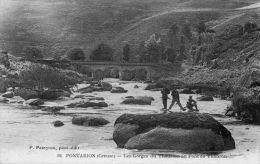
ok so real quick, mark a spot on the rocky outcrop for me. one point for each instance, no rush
(205, 98)
(177, 139)
(176, 131)
(53, 94)
(8, 94)
(58, 123)
(89, 121)
(118, 90)
(53, 109)
(83, 104)
(96, 98)
(186, 91)
(26, 93)
(3, 100)
(139, 100)
(34, 102)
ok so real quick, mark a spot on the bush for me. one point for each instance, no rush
(75, 54)
(32, 53)
(126, 53)
(41, 77)
(247, 106)
(102, 53)
(85, 70)
(140, 74)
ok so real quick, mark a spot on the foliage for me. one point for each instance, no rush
(201, 27)
(103, 52)
(32, 53)
(126, 52)
(41, 76)
(154, 49)
(247, 106)
(76, 54)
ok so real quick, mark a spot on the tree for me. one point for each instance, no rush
(186, 30)
(170, 54)
(201, 28)
(126, 52)
(76, 54)
(32, 53)
(154, 48)
(103, 52)
(173, 35)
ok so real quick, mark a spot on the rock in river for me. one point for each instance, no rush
(34, 102)
(83, 104)
(58, 123)
(205, 98)
(53, 109)
(8, 94)
(118, 90)
(89, 121)
(139, 100)
(175, 131)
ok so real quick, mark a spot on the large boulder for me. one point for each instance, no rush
(139, 100)
(85, 90)
(123, 132)
(83, 104)
(205, 98)
(177, 139)
(3, 100)
(26, 93)
(8, 94)
(53, 94)
(176, 129)
(89, 121)
(118, 90)
(16, 99)
(34, 102)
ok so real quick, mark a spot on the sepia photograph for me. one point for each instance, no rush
(129, 81)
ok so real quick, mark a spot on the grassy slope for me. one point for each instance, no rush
(58, 25)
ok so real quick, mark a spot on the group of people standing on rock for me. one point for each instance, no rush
(191, 104)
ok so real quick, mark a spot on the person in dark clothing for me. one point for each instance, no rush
(176, 98)
(190, 104)
(165, 92)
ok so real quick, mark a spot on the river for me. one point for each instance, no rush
(22, 127)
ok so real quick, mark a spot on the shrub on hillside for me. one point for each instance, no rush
(126, 53)
(247, 106)
(41, 77)
(103, 52)
(32, 53)
(76, 54)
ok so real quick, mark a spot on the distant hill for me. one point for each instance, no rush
(58, 25)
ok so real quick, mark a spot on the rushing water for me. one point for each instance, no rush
(22, 127)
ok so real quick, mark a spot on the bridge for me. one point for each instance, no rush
(153, 70)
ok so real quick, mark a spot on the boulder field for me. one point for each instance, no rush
(175, 131)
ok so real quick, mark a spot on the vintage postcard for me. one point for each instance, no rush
(129, 81)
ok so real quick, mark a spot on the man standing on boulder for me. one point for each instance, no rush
(165, 92)
(176, 98)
